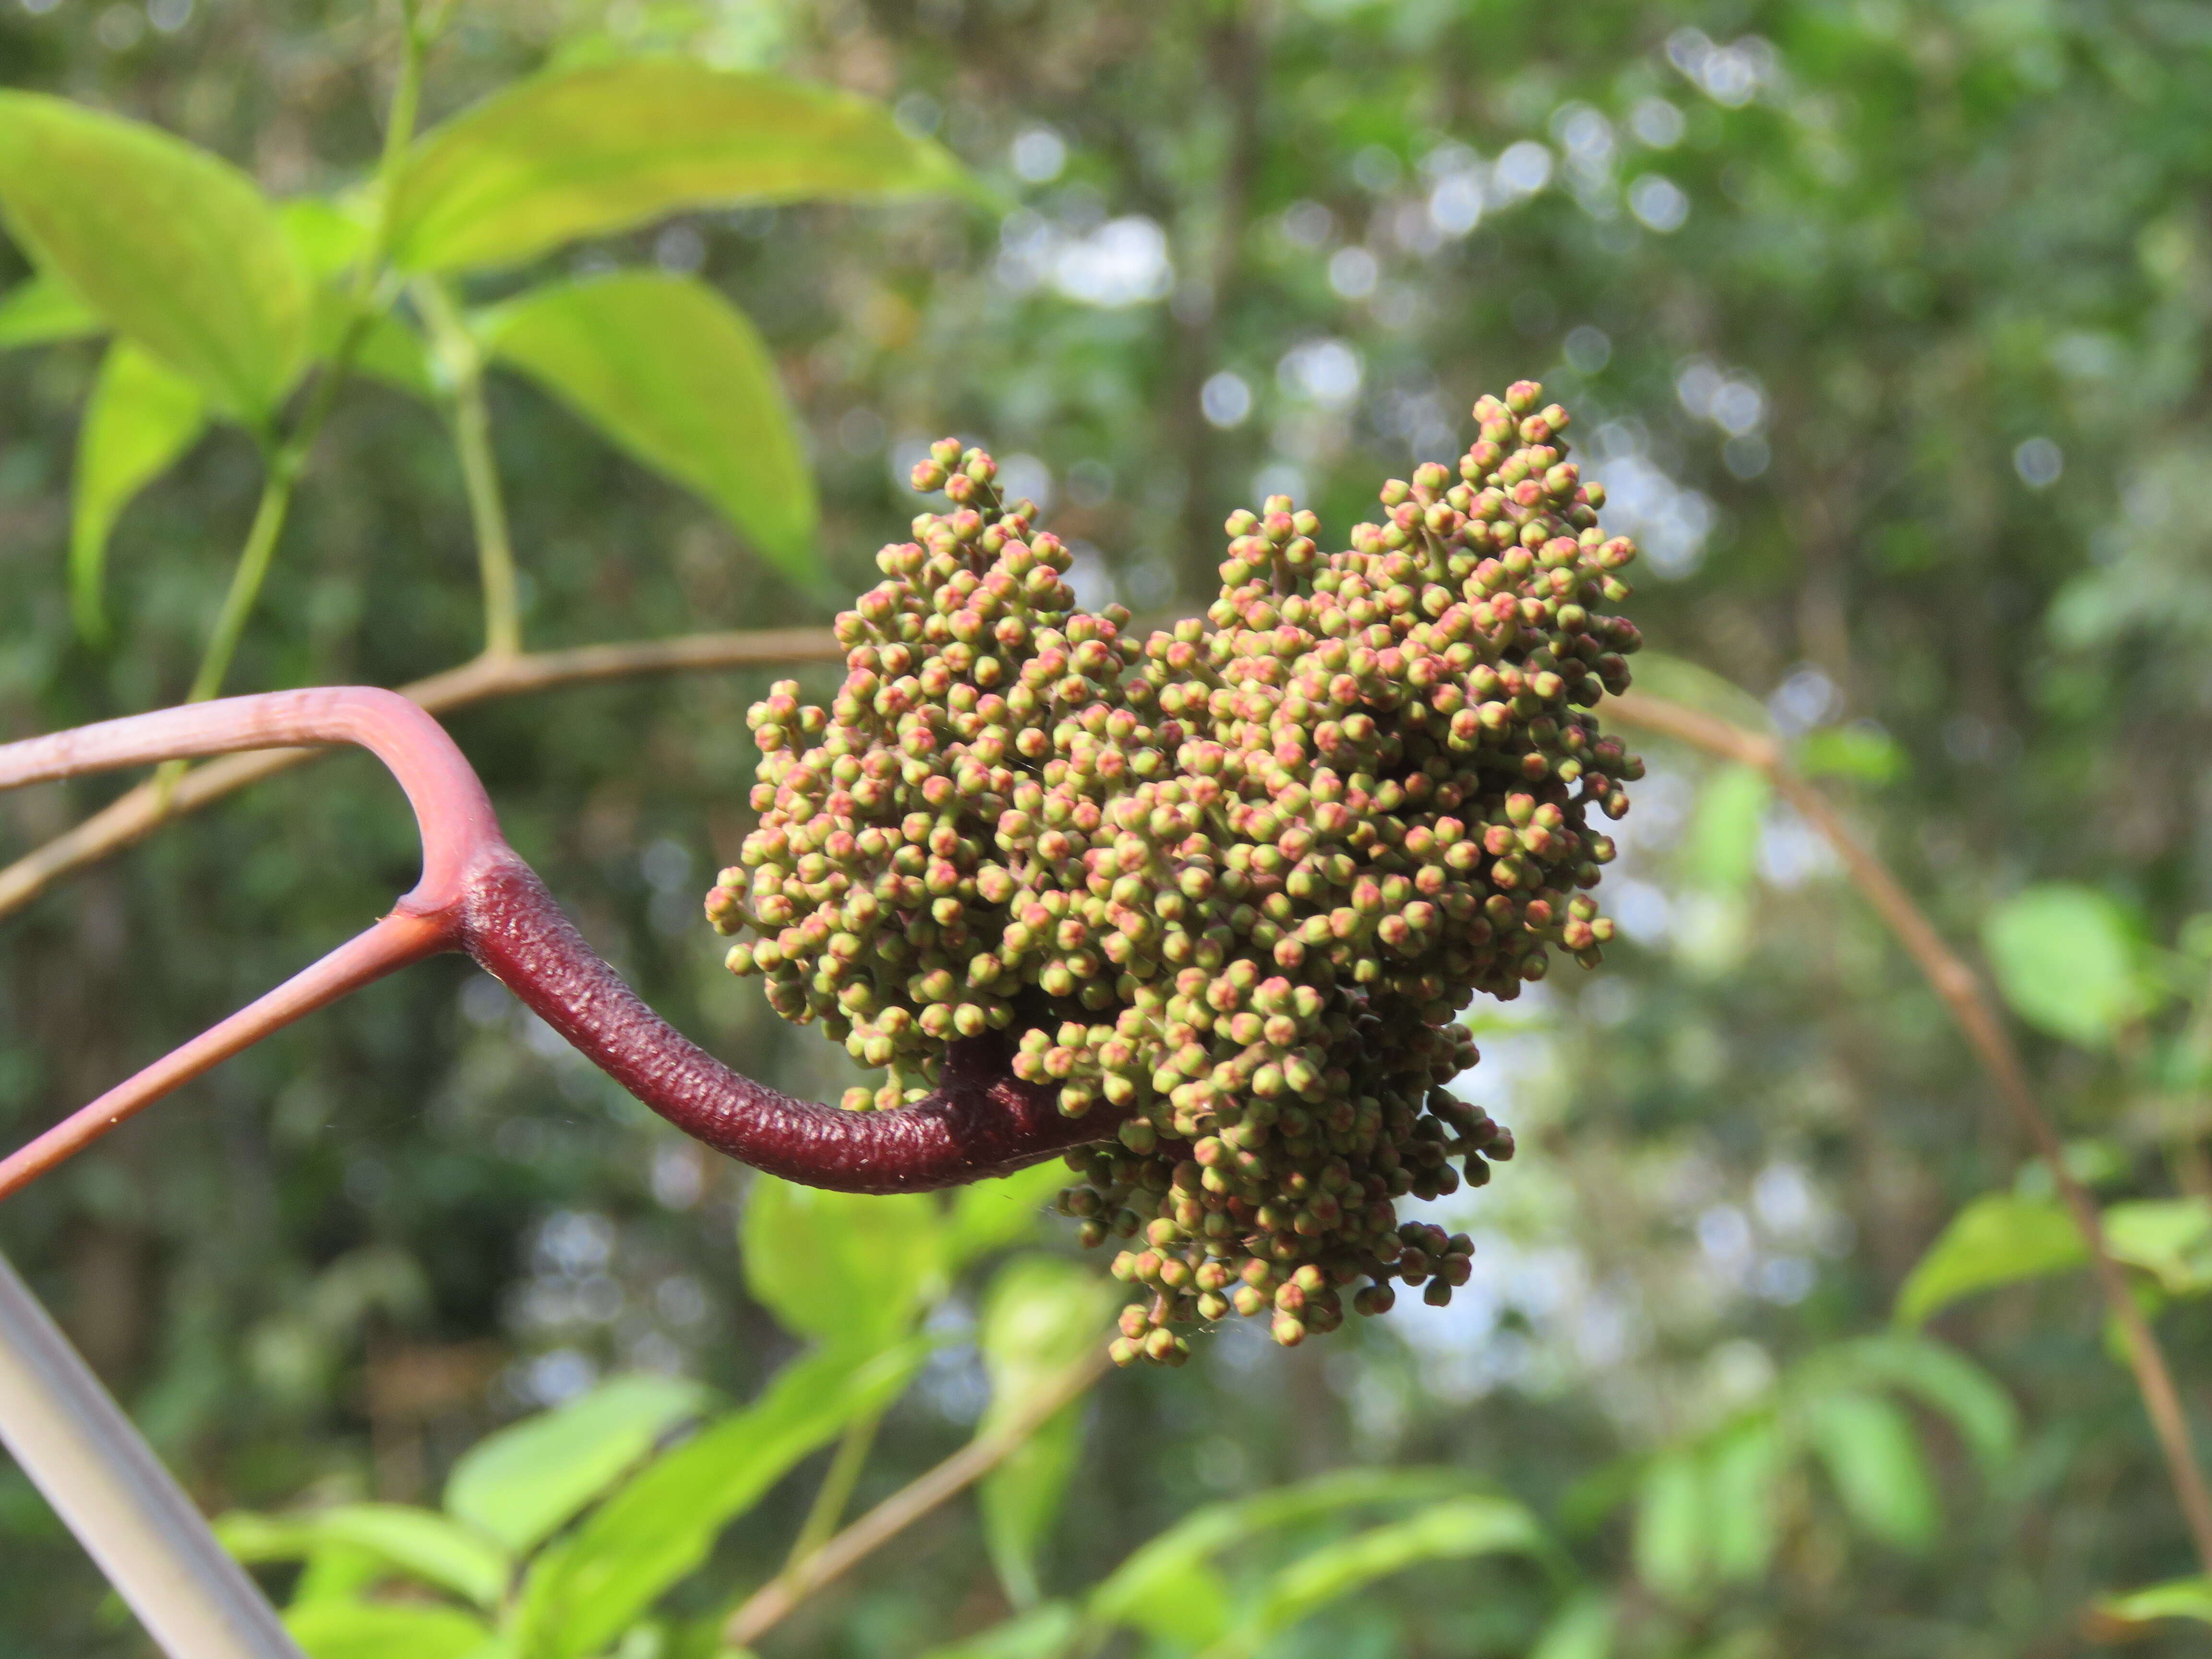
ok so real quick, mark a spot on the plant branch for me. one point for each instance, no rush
(836, 1489)
(1968, 1001)
(476, 895)
(252, 569)
(775, 1601)
(287, 458)
(137, 813)
(462, 361)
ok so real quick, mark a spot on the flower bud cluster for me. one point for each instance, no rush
(1228, 885)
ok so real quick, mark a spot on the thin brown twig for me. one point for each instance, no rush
(773, 1601)
(1968, 999)
(133, 815)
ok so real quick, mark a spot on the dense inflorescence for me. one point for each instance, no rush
(1227, 886)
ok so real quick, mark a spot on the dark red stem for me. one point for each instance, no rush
(477, 896)
(982, 1122)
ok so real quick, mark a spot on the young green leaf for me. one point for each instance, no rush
(1182, 1599)
(1722, 850)
(1581, 1630)
(1043, 1314)
(385, 1629)
(424, 1545)
(142, 417)
(43, 311)
(1673, 1541)
(1998, 1239)
(2177, 1598)
(1740, 1471)
(588, 1588)
(522, 1484)
(329, 238)
(1045, 1633)
(334, 1571)
(1873, 1459)
(360, 1543)
(1859, 752)
(1167, 1587)
(1456, 1529)
(1943, 1379)
(847, 1269)
(2069, 962)
(587, 152)
(989, 1215)
(671, 373)
(2170, 1239)
(172, 247)
(1021, 1499)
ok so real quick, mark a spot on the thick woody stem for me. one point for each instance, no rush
(476, 895)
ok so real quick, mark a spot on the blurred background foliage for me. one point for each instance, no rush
(1885, 325)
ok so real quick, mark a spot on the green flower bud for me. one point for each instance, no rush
(1225, 886)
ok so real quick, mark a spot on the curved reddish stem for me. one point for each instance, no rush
(477, 896)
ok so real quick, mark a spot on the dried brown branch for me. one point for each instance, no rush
(132, 817)
(773, 1601)
(1968, 999)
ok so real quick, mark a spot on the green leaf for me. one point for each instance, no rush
(591, 151)
(1182, 1601)
(850, 1268)
(391, 352)
(395, 354)
(381, 1629)
(2177, 1598)
(1740, 1471)
(43, 311)
(1044, 1632)
(521, 1484)
(338, 1572)
(425, 1545)
(1582, 1630)
(1456, 1529)
(989, 1215)
(1943, 1379)
(1043, 1315)
(670, 373)
(173, 246)
(1021, 1499)
(2069, 962)
(420, 1543)
(1721, 852)
(1998, 1239)
(1876, 1463)
(141, 418)
(1860, 750)
(1166, 1586)
(329, 239)
(2170, 1239)
(590, 1586)
(252, 1537)
(1672, 1542)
